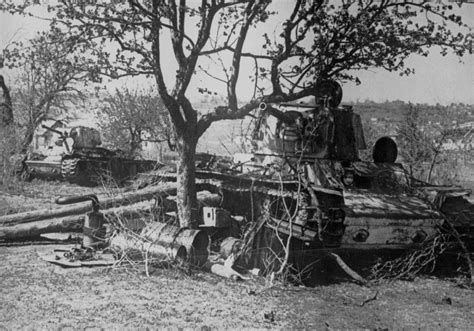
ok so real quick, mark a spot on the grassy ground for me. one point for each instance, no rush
(35, 294)
(39, 295)
(39, 194)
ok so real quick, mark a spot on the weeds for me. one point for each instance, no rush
(10, 161)
(410, 265)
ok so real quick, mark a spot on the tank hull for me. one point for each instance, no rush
(76, 156)
(88, 171)
(381, 211)
(50, 170)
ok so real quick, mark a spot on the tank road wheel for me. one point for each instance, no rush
(69, 169)
(77, 171)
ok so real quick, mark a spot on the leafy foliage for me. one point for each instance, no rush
(6, 107)
(421, 144)
(130, 118)
(414, 142)
(423, 133)
(49, 73)
(10, 162)
(317, 40)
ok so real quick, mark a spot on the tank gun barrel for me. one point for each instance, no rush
(53, 130)
(277, 113)
(62, 136)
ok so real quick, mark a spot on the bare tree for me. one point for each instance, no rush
(421, 140)
(313, 41)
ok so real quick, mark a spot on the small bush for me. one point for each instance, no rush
(10, 160)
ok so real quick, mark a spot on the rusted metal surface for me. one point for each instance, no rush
(48, 169)
(391, 217)
(377, 233)
(172, 238)
(401, 206)
(132, 244)
(306, 178)
(166, 241)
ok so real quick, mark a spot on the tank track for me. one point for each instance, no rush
(72, 172)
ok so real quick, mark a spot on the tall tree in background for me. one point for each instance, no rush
(310, 42)
(49, 76)
(415, 145)
(130, 118)
(6, 107)
(421, 140)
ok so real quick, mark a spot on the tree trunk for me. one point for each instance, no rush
(186, 180)
(430, 172)
(135, 143)
(71, 223)
(132, 217)
(6, 107)
(126, 198)
(29, 135)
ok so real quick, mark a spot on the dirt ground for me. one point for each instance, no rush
(39, 295)
(35, 294)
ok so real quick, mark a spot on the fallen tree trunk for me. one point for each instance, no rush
(348, 270)
(205, 199)
(73, 223)
(128, 216)
(127, 198)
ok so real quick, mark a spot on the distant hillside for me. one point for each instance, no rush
(394, 111)
(225, 137)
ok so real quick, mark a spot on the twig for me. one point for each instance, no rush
(146, 263)
(370, 299)
(465, 251)
(354, 275)
(466, 254)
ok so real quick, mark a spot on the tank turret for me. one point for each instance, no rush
(315, 131)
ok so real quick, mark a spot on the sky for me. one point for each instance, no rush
(437, 79)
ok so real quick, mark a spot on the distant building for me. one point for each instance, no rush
(464, 140)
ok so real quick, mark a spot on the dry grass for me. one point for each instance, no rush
(39, 194)
(39, 295)
(43, 296)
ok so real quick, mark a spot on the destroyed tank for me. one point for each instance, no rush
(77, 158)
(305, 180)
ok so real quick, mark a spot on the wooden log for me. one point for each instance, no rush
(348, 270)
(205, 199)
(130, 216)
(71, 223)
(208, 199)
(126, 198)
